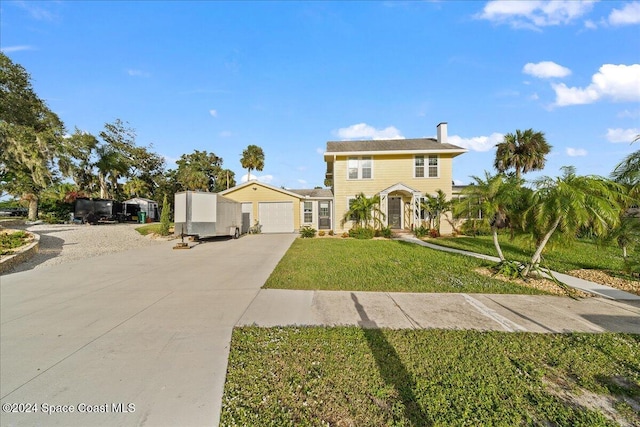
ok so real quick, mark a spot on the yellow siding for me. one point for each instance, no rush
(387, 171)
(263, 194)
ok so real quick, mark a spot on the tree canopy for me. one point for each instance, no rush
(31, 137)
(523, 152)
(252, 158)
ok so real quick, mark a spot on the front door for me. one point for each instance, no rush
(394, 213)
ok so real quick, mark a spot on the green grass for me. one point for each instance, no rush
(562, 257)
(314, 376)
(11, 241)
(383, 266)
(154, 227)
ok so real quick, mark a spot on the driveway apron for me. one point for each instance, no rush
(134, 338)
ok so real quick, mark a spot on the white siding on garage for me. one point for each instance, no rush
(276, 217)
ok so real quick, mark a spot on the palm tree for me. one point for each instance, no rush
(364, 211)
(497, 197)
(435, 206)
(569, 202)
(524, 152)
(252, 158)
(111, 165)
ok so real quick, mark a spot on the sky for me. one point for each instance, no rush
(290, 76)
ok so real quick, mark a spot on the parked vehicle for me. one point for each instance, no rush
(201, 214)
(93, 211)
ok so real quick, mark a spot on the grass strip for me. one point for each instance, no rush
(383, 266)
(347, 376)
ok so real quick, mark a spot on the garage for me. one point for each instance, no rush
(276, 217)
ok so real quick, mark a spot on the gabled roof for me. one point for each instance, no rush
(261, 184)
(315, 193)
(387, 146)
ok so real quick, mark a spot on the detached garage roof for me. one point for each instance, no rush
(300, 194)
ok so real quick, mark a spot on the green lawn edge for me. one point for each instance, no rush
(383, 266)
(317, 376)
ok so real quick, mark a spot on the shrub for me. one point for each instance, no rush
(345, 235)
(384, 232)
(307, 232)
(165, 221)
(510, 269)
(362, 233)
(434, 233)
(331, 233)
(475, 227)
(321, 233)
(420, 231)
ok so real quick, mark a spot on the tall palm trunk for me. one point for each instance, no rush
(104, 191)
(535, 259)
(497, 244)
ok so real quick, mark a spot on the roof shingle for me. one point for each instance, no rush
(414, 144)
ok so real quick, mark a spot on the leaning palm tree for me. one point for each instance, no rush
(252, 158)
(364, 211)
(569, 202)
(497, 197)
(522, 151)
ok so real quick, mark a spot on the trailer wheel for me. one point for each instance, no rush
(236, 235)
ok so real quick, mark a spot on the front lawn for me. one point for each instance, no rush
(562, 257)
(347, 376)
(383, 266)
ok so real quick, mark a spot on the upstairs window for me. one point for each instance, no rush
(419, 167)
(426, 166)
(360, 167)
(433, 167)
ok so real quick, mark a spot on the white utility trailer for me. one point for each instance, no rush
(203, 214)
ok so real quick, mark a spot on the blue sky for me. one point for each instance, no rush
(290, 76)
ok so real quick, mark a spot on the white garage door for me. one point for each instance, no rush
(276, 217)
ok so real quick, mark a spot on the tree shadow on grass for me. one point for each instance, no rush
(391, 368)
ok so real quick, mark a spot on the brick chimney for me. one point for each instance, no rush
(442, 133)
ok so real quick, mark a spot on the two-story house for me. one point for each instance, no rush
(400, 171)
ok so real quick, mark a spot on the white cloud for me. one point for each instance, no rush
(171, 161)
(535, 14)
(138, 73)
(546, 70)
(302, 182)
(9, 49)
(628, 15)
(264, 178)
(214, 113)
(458, 182)
(320, 150)
(364, 131)
(225, 134)
(622, 135)
(477, 143)
(590, 25)
(576, 152)
(617, 82)
(631, 114)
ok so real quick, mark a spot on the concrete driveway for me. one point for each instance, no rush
(134, 338)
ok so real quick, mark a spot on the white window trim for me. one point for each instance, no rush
(359, 159)
(424, 168)
(427, 166)
(304, 212)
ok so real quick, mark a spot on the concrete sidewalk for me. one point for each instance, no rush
(571, 281)
(511, 313)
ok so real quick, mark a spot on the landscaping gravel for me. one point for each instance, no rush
(60, 243)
